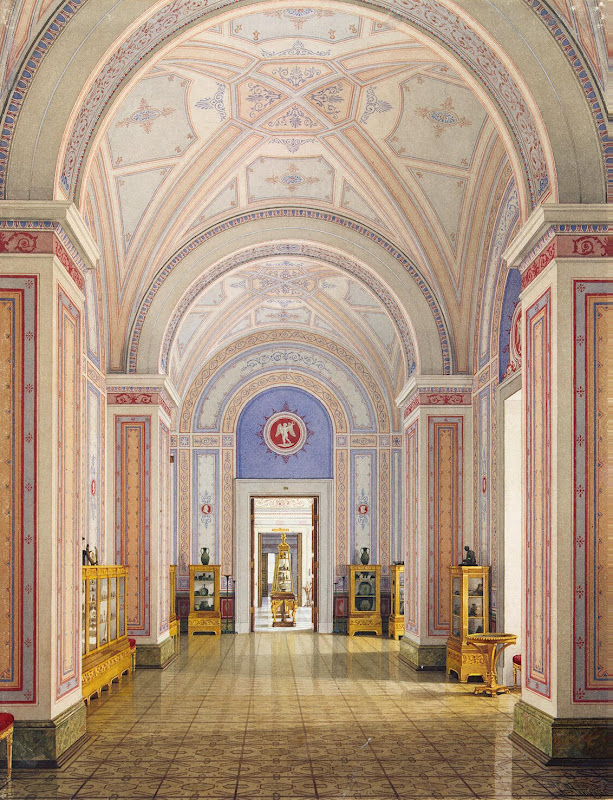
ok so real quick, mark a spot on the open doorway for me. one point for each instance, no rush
(321, 490)
(293, 518)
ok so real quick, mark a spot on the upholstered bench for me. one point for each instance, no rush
(6, 732)
(516, 668)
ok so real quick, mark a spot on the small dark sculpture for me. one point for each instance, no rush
(469, 559)
(90, 558)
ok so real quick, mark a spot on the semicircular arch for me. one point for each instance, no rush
(333, 239)
(484, 38)
(239, 352)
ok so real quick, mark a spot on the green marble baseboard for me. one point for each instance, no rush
(155, 656)
(423, 656)
(49, 743)
(560, 741)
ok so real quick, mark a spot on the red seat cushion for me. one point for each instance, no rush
(132, 643)
(517, 660)
(6, 720)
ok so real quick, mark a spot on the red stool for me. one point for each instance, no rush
(6, 732)
(132, 643)
(516, 668)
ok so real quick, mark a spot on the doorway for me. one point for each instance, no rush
(294, 518)
(320, 547)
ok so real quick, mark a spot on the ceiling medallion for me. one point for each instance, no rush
(284, 433)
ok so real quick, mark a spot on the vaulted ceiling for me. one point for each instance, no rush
(318, 107)
(335, 108)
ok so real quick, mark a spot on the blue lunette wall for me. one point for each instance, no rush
(255, 460)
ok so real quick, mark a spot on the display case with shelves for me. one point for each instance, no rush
(204, 611)
(396, 621)
(173, 626)
(364, 599)
(469, 613)
(104, 644)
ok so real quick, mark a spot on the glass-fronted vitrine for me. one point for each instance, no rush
(364, 599)
(204, 612)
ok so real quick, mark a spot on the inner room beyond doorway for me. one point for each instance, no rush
(292, 516)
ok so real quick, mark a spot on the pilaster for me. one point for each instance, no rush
(45, 252)
(139, 412)
(438, 456)
(565, 255)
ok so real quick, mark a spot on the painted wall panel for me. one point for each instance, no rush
(445, 486)
(68, 495)
(411, 548)
(94, 523)
(537, 415)
(363, 505)
(18, 512)
(593, 506)
(205, 505)
(132, 515)
(164, 532)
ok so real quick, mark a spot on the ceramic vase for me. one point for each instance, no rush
(365, 557)
(204, 556)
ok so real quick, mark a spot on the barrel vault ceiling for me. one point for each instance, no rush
(332, 107)
(319, 107)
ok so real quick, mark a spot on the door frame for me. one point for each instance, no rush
(245, 490)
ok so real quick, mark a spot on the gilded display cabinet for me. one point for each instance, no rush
(469, 613)
(364, 599)
(104, 642)
(396, 623)
(204, 609)
(173, 627)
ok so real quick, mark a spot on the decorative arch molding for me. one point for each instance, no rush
(429, 320)
(187, 421)
(433, 17)
(243, 396)
(365, 412)
(311, 252)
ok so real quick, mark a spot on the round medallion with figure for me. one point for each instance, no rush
(285, 433)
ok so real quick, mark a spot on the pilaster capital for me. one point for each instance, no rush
(36, 217)
(149, 390)
(435, 390)
(561, 231)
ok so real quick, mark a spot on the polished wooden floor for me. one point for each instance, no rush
(302, 715)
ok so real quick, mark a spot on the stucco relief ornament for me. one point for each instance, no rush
(285, 433)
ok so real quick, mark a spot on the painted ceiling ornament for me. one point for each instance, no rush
(261, 97)
(329, 99)
(373, 105)
(300, 15)
(145, 115)
(443, 117)
(293, 144)
(296, 75)
(297, 49)
(292, 179)
(216, 102)
(285, 433)
(294, 118)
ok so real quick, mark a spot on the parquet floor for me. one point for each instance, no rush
(280, 717)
